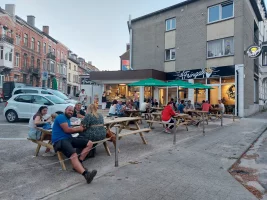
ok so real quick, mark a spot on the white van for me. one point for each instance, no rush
(39, 90)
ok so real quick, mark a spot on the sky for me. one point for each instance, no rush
(93, 29)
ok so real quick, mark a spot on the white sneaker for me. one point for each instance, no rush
(167, 130)
(49, 154)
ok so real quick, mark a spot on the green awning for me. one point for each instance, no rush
(148, 82)
(54, 84)
(178, 83)
(197, 86)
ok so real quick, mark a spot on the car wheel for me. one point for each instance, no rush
(11, 116)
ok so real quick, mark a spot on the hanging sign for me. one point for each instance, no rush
(254, 51)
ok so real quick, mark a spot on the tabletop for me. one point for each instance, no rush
(197, 111)
(132, 111)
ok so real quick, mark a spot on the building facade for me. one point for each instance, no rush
(73, 74)
(204, 41)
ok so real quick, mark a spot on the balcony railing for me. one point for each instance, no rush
(34, 70)
(63, 61)
(51, 56)
(4, 38)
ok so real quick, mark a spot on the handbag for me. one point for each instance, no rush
(111, 135)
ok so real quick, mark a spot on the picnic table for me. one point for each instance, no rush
(157, 108)
(122, 122)
(203, 116)
(132, 113)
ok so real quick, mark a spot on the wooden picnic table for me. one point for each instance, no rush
(157, 108)
(203, 117)
(109, 123)
(132, 113)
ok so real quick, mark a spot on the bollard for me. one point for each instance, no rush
(174, 135)
(117, 148)
(221, 118)
(203, 121)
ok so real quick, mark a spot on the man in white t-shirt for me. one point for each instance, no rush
(83, 97)
(221, 106)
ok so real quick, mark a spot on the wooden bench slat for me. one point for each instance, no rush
(135, 132)
(159, 122)
(42, 143)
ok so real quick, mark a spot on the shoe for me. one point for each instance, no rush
(167, 130)
(49, 154)
(89, 176)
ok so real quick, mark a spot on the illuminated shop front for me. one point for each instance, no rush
(221, 79)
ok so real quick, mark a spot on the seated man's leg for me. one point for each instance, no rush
(83, 144)
(68, 149)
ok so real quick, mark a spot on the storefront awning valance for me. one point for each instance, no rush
(197, 86)
(149, 82)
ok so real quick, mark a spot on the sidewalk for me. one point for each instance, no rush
(194, 169)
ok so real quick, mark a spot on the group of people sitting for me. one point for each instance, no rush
(117, 109)
(75, 148)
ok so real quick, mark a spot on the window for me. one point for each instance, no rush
(38, 47)
(44, 47)
(74, 78)
(10, 55)
(169, 54)
(17, 40)
(45, 92)
(221, 47)
(170, 24)
(40, 100)
(1, 53)
(17, 61)
(54, 51)
(24, 98)
(49, 48)
(58, 53)
(69, 66)
(26, 91)
(52, 66)
(44, 65)
(25, 39)
(25, 60)
(32, 61)
(69, 77)
(33, 44)
(221, 11)
(74, 68)
(38, 63)
(264, 58)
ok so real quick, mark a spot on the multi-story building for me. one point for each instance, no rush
(203, 41)
(73, 74)
(26, 52)
(199, 41)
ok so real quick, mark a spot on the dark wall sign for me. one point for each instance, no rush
(202, 73)
(87, 81)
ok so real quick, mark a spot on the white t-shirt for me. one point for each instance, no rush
(31, 123)
(112, 110)
(82, 96)
(221, 106)
(143, 106)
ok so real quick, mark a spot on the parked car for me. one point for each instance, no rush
(39, 90)
(24, 106)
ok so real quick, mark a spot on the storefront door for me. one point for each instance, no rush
(162, 96)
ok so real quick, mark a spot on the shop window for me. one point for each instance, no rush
(213, 95)
(230, 79)
(213, 81)
(172, 94)
(222, 11)
(202, 81)
(221, 47)
(200, 95)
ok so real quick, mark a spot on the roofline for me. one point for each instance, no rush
(164, 10)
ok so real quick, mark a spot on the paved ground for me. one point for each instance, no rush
(196, 167)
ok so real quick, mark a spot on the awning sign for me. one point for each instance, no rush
(254, 51)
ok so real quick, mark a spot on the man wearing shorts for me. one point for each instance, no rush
(64, 142)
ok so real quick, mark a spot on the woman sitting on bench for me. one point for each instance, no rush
(166, 116)
(94, 123)
(38, 120)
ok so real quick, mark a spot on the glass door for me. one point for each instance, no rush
(162, 96)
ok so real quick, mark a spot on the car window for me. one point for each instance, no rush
(46, 92)
(24, 98)
(56, 99)
(18, 92)
(40, 100)
(60, 94)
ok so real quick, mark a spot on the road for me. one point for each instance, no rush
(23, 176)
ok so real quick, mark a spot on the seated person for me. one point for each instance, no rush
(38, 120)
(155, 103)
(144, 107)
(112, 109)
(120, 109)
(221, 106)
(64, 142)
(189, 107)
(206, 106)
(78, 112)
(181, 107)
(129, 105)
(166, 116)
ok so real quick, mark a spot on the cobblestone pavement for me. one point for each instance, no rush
(194, 169)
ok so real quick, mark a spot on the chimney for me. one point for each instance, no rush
(31, 20)
(46, 29)
(127, 47)
(10, 9)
